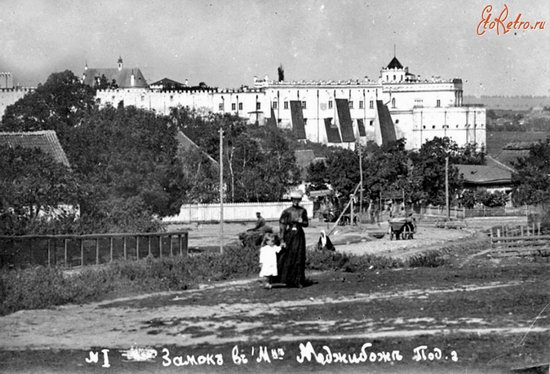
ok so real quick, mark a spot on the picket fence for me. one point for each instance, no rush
(233, 212)
(462, 213)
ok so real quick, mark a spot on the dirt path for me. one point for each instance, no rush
(185, 319)
(490, 316)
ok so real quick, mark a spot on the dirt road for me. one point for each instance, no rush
(485, 316)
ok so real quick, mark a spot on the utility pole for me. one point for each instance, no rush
(447, 187)
(221, 190)
(361, 182)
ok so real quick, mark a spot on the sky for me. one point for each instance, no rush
(225, 43)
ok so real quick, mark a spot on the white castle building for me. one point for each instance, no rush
(335, 112)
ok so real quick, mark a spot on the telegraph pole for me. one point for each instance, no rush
(361, 182)
(221, 190)
(447, 187)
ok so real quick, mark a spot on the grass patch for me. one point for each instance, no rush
(42, 287)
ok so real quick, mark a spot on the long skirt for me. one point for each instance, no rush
(292, 259)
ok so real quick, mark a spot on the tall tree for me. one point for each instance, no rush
(532, 176)
(341, 170)
(386, 169)
(427, 177)
(31, 182)
(62, 101)
(127, 153)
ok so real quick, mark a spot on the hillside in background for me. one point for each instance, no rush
(496, 140)
(509, 102)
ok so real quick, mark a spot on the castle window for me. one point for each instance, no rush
(351, 104)
(274, 105)
(396, 121)
(258, 105)
(393, 102)
(361, 104)
(285, 104)
(171, 97)
(433, 127)
(371, 104)
(438, 104)
(394, 77)
(371, 123)
(330, 104)
(240, 106)
(220, 107)
(233, 106)
(304, 105)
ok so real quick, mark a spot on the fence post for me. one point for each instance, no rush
(160, 246)
(149, 245)
(97, 251)
(137, 247)
(65, 250)
(111, 247)
(81, 252)
(49, 253)
(186, 243)
(171, 251)
(538, 228)
(124, 247)
(179, 245)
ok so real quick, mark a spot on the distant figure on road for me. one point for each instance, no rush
(260, 222)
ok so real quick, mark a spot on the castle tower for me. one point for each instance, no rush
(394, 72)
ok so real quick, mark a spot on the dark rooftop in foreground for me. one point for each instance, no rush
(44, 140)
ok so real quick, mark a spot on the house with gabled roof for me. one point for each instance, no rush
(119, 77)
(493, 176)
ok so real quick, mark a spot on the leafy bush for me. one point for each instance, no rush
(328, 260)
(430, 259)
(42, 287)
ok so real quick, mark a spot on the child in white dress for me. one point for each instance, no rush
(268, 259)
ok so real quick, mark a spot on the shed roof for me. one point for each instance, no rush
(44, 140)
(485, 174)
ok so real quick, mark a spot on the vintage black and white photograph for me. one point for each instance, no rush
(248, 186)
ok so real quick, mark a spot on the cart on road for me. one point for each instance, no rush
(402, 228)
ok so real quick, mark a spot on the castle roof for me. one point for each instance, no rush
(395, 64)
(122, 77)
(44, 140)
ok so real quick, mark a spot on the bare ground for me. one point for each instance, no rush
(483, 316)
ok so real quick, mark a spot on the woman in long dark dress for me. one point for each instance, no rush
(292, 259)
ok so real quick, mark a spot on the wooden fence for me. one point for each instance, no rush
(526, 240)
(462, 213)
(92, 249)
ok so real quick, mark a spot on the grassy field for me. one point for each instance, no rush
(496, 140)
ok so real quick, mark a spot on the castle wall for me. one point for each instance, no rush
(466, 124)
(420, 110)
(10, 96)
